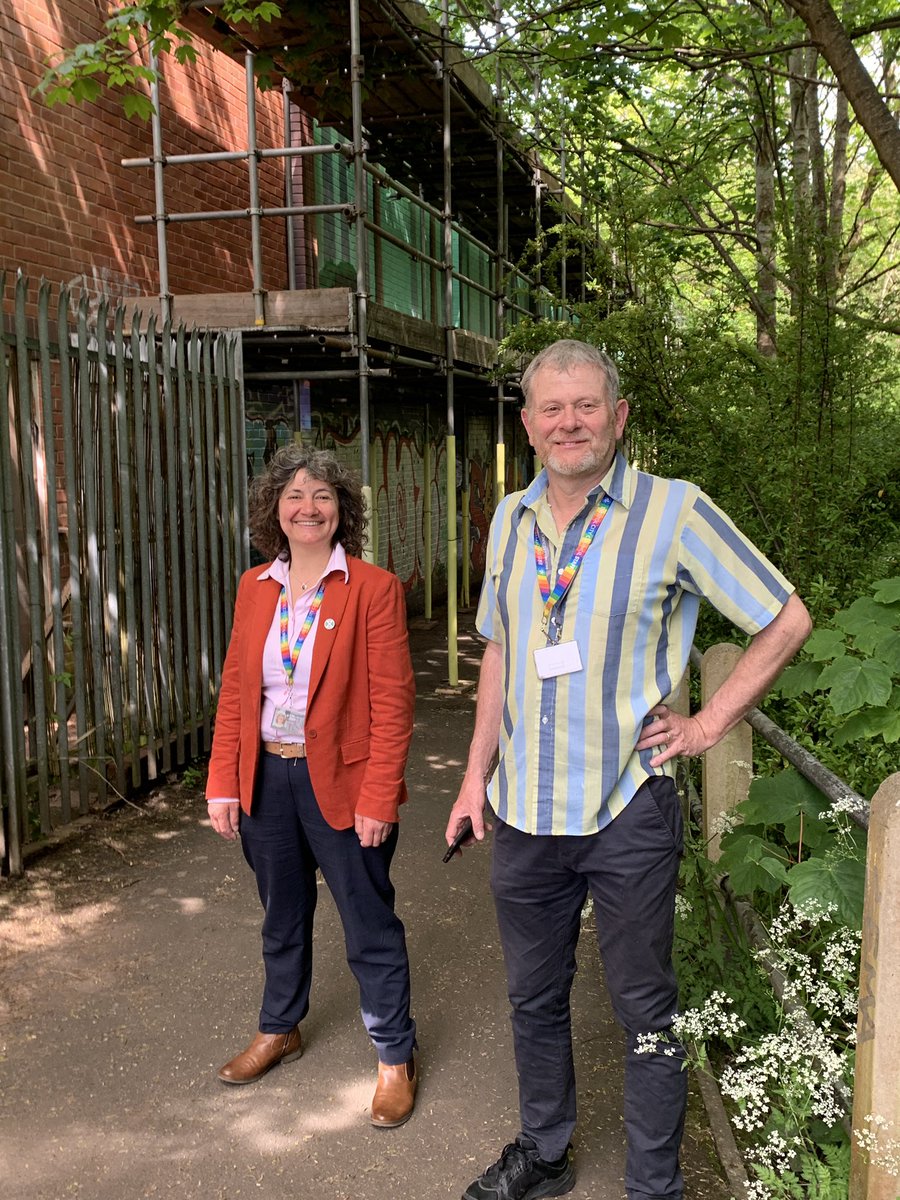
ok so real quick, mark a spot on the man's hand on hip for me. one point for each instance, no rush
(671, 735)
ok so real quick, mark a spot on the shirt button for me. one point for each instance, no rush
(544, 720)
(311, 733)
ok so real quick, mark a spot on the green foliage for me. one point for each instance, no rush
(116, 61)
(813, 1177)
(789, 838)
(861, 675)
(711, 951)
(194, 775)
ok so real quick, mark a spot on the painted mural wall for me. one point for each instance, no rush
(403, 499)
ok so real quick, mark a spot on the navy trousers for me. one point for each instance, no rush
(284, 840)
(540, 884)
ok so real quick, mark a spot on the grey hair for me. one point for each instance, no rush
(265, 492)
(568, 353)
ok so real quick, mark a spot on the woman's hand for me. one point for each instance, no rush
(371, 832)
(224, 819)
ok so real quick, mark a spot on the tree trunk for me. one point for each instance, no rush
(765, 225)
(835, 46)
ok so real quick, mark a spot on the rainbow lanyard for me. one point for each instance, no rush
(288, 656)
(570, 570)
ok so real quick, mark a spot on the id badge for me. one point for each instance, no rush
(285, 720)
(561, 659)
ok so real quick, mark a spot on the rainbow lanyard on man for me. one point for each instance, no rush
(570, 570)
(289, 656)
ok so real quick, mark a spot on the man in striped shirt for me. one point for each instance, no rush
(593, 581)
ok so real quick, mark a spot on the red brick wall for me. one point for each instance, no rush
(67, 206)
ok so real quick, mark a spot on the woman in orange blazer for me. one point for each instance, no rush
(312, 734)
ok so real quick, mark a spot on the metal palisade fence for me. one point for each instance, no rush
(123, 494)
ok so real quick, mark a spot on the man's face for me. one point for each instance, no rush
(570, 423)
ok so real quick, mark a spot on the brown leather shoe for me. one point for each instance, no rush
(266, 1051)
(395, 1094)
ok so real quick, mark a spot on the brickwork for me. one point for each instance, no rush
(67, 206)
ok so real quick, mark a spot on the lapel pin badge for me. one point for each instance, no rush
(329, 624)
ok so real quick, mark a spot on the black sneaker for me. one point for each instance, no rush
(521, 1174)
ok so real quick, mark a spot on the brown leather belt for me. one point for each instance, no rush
(286, 749)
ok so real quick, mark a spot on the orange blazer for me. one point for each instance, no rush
(359, 717)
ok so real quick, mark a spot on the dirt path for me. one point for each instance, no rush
(129, 971)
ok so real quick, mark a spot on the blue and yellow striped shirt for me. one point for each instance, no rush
(568, 763)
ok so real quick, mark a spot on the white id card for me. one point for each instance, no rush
(285, 720)
(561, 659)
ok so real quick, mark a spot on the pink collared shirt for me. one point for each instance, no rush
(275, 691)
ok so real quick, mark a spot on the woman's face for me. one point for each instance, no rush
(308, 513)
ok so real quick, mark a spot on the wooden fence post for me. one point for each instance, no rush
(727, 766)
(679, 700)
(876, 1092)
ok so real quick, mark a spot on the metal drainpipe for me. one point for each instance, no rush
(357, 68)
(452, 615)
(159, 216)
(259, 303)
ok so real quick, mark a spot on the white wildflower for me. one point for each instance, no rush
(722, 823)
(844, 804)
(883, 1150)
(715, 1018)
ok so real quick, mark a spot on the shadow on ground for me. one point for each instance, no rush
(129, 971)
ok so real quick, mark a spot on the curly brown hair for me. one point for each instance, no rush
(265, 491)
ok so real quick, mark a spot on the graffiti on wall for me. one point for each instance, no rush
(397, 474)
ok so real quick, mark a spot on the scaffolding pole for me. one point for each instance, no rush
(259, 295)
(428, 563)
(159, 218)
(500, 457)
(289, 245)
(357, 69)
(452, 549)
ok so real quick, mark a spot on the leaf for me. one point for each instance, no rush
(853, 682)
(780, 798)
(841, 883)
(887, 591)
(747, 877)
(887, 648)
(798, 680)
(823, 644)
(869, 724)
(865, 618)
(85, 90)
(137, 105)
(752, 864)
